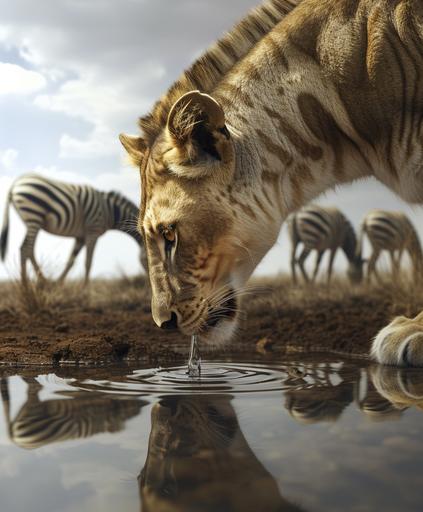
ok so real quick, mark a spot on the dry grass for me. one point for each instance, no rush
(277, 293)
(44, 296)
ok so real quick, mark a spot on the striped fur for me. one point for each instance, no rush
(321, 229)
(395, 233)
(325, 94)
(81, 414)
(65, 209)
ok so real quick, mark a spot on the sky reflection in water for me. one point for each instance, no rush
(287, 436)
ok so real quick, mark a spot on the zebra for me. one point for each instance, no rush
(66, 209)
(321, 228)
(394, 232)
(80, 414)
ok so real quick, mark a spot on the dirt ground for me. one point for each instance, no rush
(111, 321)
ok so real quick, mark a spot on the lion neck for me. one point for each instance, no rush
(292, 137)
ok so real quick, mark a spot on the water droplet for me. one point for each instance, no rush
(194, 361)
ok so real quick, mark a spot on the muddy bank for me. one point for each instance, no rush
(112, 323)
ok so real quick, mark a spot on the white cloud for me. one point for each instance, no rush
(104, 106)
(8, 158)
(100, 143)
(18, 80)
(4, 33)
(81, 98)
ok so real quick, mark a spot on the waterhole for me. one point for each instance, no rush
(247, 434)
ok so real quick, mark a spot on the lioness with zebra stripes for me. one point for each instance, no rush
(296, 100)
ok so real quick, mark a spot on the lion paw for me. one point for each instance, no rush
(400, 343)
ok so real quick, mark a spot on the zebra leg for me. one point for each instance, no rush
(79, 244)
(317, 264)
(394, 265)
(33, 389)
(400, 253)
(27, 252)
(90, 243)
(294, 263)
(301, 260)
(36, 267)
(416, 268)
(5, 398)
(330, 266)
(371, 269)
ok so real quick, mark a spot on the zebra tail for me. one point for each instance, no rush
(5, 228)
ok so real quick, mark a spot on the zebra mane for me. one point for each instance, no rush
(124, 214)
(115, 194)
(215, 63)
(121, 199)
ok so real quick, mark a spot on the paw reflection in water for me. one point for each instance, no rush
(382, 393)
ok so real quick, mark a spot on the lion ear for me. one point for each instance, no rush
(196, 126)
(135, 147)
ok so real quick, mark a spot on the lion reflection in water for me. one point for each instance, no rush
(198, 459)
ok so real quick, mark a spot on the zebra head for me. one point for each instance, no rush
(123, 215)
(355, 269)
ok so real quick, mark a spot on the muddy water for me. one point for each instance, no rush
(247, 436)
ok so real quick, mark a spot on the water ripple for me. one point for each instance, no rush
(215, 378)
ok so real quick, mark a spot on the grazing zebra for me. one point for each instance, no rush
(66, 209)
(320, 229)
(395, 233)
(80, 414)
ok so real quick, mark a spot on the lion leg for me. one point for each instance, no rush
(400, 343)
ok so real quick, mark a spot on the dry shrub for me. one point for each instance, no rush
(41, 296)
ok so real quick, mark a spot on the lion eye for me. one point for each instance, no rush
(169, 236)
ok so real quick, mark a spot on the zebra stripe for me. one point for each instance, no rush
(322, 229)
(81, 414)
(393, 232)
(65, 209)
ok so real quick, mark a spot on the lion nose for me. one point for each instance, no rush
(170, 324)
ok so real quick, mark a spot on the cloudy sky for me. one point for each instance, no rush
(76, 73)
